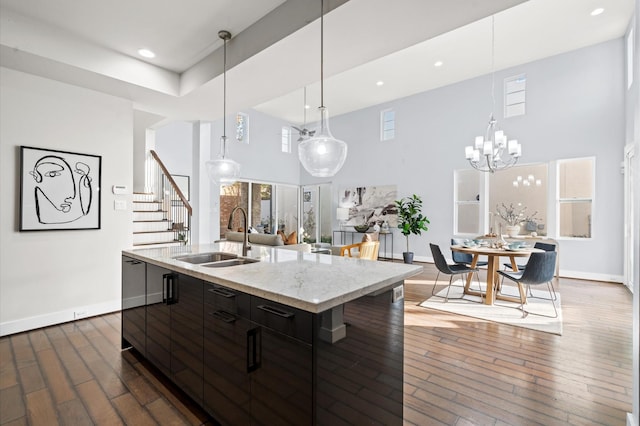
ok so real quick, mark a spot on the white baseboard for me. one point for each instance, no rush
(591, 276)
(53, 318)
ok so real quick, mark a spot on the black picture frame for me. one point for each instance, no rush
(59, 190)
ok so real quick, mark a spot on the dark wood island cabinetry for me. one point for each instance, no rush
(248, 359)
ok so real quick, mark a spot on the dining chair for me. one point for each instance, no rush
(366, 250)
(541, 246)
(451, 270)
(539, 270)
(463, 258)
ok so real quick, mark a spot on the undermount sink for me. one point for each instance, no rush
(206, 257)
(231, 262)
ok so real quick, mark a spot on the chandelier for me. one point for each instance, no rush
(223, 170)
(322, 155)
(493, 151)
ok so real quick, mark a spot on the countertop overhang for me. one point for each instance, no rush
(309, 281)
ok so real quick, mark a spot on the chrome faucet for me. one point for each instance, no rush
(245, 242)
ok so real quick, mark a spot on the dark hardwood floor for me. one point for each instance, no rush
(458, 370)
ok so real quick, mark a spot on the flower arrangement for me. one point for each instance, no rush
(513, 215)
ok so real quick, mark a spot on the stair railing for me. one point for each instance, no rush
(177, 209)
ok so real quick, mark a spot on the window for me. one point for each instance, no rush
(467, 202)
(525, 187)
(286, 139)
(387, 125)
(262, 208)
(230, 197)
(242, 127)
(265, 203)
(515, 89)
(576, 179)
(316, 213)
(287, 208)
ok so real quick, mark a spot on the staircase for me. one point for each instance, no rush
(160, 221)
(150, 224)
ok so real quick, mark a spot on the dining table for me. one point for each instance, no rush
(493, 257)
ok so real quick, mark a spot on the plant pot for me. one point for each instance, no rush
(407, 256)
(513, 231)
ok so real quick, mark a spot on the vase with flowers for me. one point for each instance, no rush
(513, 217)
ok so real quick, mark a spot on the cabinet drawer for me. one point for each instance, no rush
(284, 319)
(224, 300)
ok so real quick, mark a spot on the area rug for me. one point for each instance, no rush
(501, 311)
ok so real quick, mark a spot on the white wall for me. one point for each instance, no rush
(174, 146)
(46, 276)
(575, 108)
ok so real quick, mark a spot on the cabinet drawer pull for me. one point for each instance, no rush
(276, 311)
(221, 292)
(254, 349)
(169, 289)
(223, 316)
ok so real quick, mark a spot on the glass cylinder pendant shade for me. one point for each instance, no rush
(223, 170)
(322, 155)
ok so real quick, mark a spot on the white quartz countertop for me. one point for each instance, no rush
(292, 276)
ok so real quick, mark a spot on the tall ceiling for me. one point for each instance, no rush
(275, 50)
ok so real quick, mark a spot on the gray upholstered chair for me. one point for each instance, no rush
(541, 246)
(539, 270)
(451, 270)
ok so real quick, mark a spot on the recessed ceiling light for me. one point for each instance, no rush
(380, 83)
(437, 64)
(596, 12)
(146, 53)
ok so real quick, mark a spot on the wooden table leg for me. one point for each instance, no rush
(474, 262)
(492, 269)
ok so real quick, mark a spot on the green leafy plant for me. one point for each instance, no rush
(410, 217)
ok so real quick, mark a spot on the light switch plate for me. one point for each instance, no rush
(119, 189)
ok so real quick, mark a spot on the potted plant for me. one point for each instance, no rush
(411, 220)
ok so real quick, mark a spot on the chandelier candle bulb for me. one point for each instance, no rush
(468, 152)
(513, 146)
(479, 142)
(488, 148)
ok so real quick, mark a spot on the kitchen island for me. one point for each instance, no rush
(292, 338)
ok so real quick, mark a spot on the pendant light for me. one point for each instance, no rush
(322, 155)
(223, 170)
(493, 152)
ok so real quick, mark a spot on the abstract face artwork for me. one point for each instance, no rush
(63, 187)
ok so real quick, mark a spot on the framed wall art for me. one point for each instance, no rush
(370, 204)
(59, 190)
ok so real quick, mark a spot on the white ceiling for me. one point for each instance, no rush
(275, 49)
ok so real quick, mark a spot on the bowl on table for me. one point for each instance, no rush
(361, 228)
